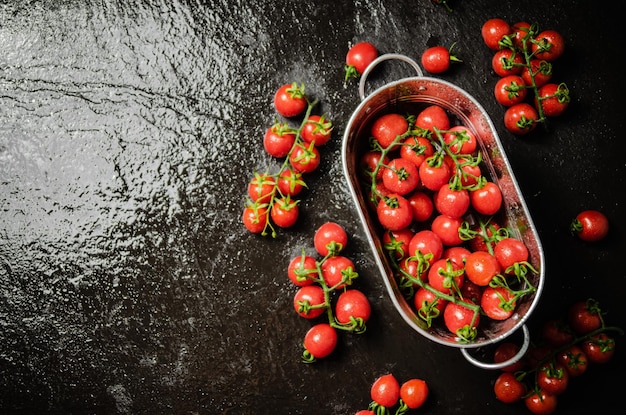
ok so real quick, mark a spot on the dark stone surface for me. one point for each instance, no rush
(128, 133)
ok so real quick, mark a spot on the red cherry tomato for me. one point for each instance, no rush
(338, 271)
(422, 206)
(388, 127)
(416, 149)
(255, 218)
(508, 388)
(553, 378)
(510, 251)
(302, 270)
(433, 117)
(584, 316)
(540, 70)
(492, 32)
(305, 159)
(447, 228)
(284, 212)
(506, 351)
(590, 225)
(521, 118)
(553, 98)
(506, 62)
(510, 90)
(437, 59)
(394, 212)
(541, 403)
(460, 140)
(481, 267)
(446, 276)
(278, 140)
(320, 341)
(385, 391)
(487, 199)
(574, 360)
(599, 348)
(261, 188)
(400, 176)
(330, 238)
(290, 182)
(461, 320)
(498, 303)
(548, 45)
(452, 202)
(427, 243)
(317, 129)
(352, 304)
(290, 100)
(358, 58)
(309, 301)
(414, 393)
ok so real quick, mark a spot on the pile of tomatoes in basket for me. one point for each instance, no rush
(271, 196)
(442, 223)
(568, 345)
(325, 292)
(523, 59)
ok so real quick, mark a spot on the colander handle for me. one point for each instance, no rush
(518, 356)
(381, 58)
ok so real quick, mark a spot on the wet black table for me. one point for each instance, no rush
(128, 133)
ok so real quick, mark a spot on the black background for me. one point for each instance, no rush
(128, 134)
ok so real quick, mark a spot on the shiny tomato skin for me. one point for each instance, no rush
(540, 70)
(369, 163)
(394, 212)
(305, 159)
(290, 100)
(416, 149)
(510, 90)
(541, 403)
(508, 388)
(456, 316)
(574, 360)
(509, 251)
(331, 238)
(505, 62)
(385, 390)
(284, 212)
(493, 30)
(444, 275)
(506, 351)
(261, 188)
(426, 242)
(290, 182)
(554, 99)
(433, 177)
(306, 296)
(302, 270)
(497, 303)
(320, 340)
(388, 127)
(460, 140)
(424, 299)
(599, 348)
(436, 59)
(584, 316)
(553, 378)
(590, 225)
(352, 304)
(452, 202)
(422, 206)
(414, 393)
(521, 118)
(456, 254)
(334, 269)
(400, 176)
(317, 129)
(520, 31)
(481, 267)
(556, 332)
(278, 140)
(433, 117)
(359, 57)
(397, 242)
(255, 218)
(548, 45)
(486, 200)
(447, 228)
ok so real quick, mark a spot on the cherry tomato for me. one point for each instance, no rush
(278, 140)
(510, 251)
(388, 127)
(541, 403)
(556, 332)
(427, 304)
(435, 176)
(400, 176)
(370, 161)
(521, 118)
(446, 276)
(507, 62)
(590, 225)
(397, 242)
(553, 378)
(365, 412)
(548, 45)
(330, 238)
(506, 351)
(492, 32)
(358, 58)
(451, 202)
(498, 303)
(508, 388)
(255, 218)
(394, 212)
(284, 212)
(321, 340)
(317, 130)
(484, 235)
(427, 243)
(261, 188)
(416, 149)
(520, 32)
(574, 360)
(338, 271)
(460, 140)
(599, 348)
(540, 70)
(352, 304)
(481, 267)
(433, 117)
(302, 270)
(461, 320)
(468, 171)
(290, 100)
(584, 316)
(437, 59)
(305, 159)
(385, 391)
(422, 206)
(510, 90)
(309, 301)
(447, 228)
(290, 182)
(471, 291)
(414, 393)
(553, 98)
(487, 199)
(456, 254)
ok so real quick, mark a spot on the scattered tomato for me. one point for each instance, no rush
(358, 58)
(414, 393)
(330, 239)
(437, 59)
(590, 225)
(385, 390)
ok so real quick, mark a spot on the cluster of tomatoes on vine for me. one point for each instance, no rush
(271, 196)
(568, 345)
(441, 221)
(325, 292)
(387, 393)
(523, 59)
